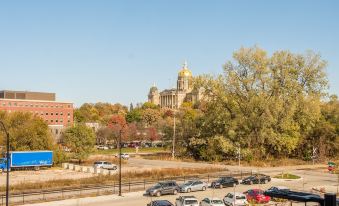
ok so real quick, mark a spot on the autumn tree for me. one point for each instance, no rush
(152, 134)
(27, 132)
(119, 127)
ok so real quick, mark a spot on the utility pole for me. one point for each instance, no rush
(120, 162)
(239, 154)
(314, 154)
(120, 134)
(173, 141)
(8, 160)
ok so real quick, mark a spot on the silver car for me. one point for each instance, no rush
(105, 165)
(193, 185)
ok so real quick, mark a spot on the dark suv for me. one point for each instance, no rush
(160, 203)
(225, 182)
(256, 179)
(167, 187)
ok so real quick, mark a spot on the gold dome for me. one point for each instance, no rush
(185, 72)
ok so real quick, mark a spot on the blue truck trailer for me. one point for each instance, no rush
(27, 160)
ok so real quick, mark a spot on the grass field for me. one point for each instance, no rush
(287, 176)
(132, 150)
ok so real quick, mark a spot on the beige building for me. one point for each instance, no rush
(173, 98)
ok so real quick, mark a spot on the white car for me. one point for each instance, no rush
(235, 199)
(105, 165)
(102, 147)
(211, 202)
(186, 201)
(124, 156)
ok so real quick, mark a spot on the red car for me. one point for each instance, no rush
(257, 196)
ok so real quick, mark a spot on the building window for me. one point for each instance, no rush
(15, 104)
(51, 120)
(61, 120)
(61, 113)
(68, 121)
(56, 113)
(51, 113)
(68, 114)
(46, 113)
(69, 106)
(56, 131)
(56, 120)
(52, 106)
(9, 104)
(31, 105)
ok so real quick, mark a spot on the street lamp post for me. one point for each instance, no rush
(121, 130)
(7, 158)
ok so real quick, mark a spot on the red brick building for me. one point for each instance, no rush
(56, 114)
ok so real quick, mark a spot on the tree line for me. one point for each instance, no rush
(269, 106)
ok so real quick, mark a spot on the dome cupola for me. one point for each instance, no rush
(185, 72)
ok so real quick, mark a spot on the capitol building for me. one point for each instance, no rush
(173, 98)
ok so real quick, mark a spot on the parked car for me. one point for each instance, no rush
(167, 187)
(256, 179)
(257, 196)
(277, 188)
(66, 149)
(186, 201)
(102, 147)
(124, 156)
(211, 202)
(160, 203)
(235, 199)
(193, 185)
(225, 182)
(105, 165)
(112, 146)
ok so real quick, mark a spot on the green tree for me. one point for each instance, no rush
(268, 104)
(80, 139)
(134, 115)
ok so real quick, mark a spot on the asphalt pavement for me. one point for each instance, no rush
(310, 179)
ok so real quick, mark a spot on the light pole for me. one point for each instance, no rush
(123, 127)
(7, 159)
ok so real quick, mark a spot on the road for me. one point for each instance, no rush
(310, 179)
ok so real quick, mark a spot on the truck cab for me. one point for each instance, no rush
(3, 164)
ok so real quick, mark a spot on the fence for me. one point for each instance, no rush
(19, 198)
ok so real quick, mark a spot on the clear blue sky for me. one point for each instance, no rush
(113, 51)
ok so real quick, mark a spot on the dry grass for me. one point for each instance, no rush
(154, 174)
(269, 162)
(252, 163)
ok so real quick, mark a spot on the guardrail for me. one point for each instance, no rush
(19, 198)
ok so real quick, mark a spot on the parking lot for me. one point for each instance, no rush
(310, 179)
